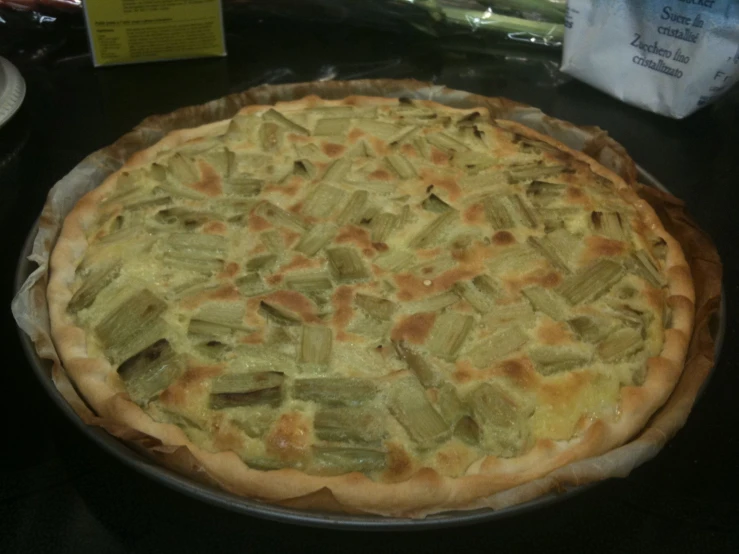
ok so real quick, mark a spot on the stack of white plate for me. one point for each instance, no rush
(12, 90)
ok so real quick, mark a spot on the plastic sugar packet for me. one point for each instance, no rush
(668, 56)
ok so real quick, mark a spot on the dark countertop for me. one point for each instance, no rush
(59, 492)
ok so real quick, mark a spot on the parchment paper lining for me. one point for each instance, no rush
(31, 312)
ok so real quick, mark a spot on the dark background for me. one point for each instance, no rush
(59, 492)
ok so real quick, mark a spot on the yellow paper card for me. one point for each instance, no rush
(130, 31)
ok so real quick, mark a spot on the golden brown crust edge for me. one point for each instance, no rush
(426, 491)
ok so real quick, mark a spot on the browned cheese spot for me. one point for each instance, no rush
(380, 175)
(231, 269)
(256, 337)
(257, 223)
(553, 332)
(227, 292)
(474, 215)
(226, 437)
(342, 303)
(600, 247)
(439, 157)
(354, 135)
(191, 382)
(299, 261)
(378, 145)
(520, 371)
(400, 463)
(210, 182)
(289, 188)
(503, 238)
(464, 372)
(415, 328)
(332, 150)
(408, 151)
(289, 438)
(215, 228)
(354, 234)
(295, 302)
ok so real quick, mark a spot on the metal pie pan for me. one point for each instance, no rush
(247, 506)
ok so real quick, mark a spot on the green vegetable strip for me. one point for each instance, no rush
(346, 264)
(542, 193)
(132, 325)
(185, 217)
(446, 143)
(521, 313)
(502, 419)
(590, 328)
(349, 425)
(645, 267)
(379, 129)
(497, 346)
(279, 217)
(379, 308)
(337, 170)
(335, 391)
(488, 286)
(620, 344)
(395, 260)
(278, 314)
(476, 298)
(305, 169)
(407, 402)
(228, 315)
(551, 360)
(354, 207)
(417, 364)
(222, 159)
(448, 334)
(432, 303)
(308, 282)
(610, 224)
(251, 285)
(341, 460)
(432, 232)
(467, 430)
(263, 262)
(149, 372)
(533, 171)
(92, 286)
(277, 117)
(382, 226)
(244, 185)
(449, 404)
(316, 238)
(546, 301)
(402, 166)
(315, 345)
(246, 389)
(520, 259)
(405, 134)
(181, 170)
(322, 201)
(505, 212)
(272, 240)
(435, 204)
(331, 127)
(592, 282)
(544, 246)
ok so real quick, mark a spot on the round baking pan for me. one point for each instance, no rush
(218, 497)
